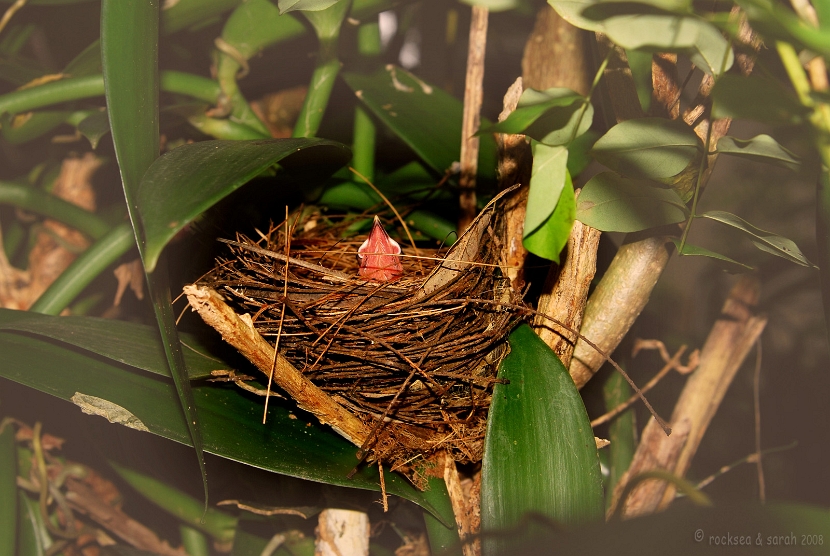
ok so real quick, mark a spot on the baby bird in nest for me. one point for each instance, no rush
(379, 256)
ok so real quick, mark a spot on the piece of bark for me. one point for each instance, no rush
(515, 161)
(461, 508)
(342, 533)
(241, 334)
(565, 291)
(726, 347)
(555, 55)
(473, 95)
(83, 499)
(616, 302)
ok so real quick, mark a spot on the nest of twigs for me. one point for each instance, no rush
(414, 359)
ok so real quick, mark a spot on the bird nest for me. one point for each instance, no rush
(414, 359)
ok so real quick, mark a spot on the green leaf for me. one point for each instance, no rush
(650, 148)
(493, 5)
(554, 117)
(188, 180)
(579, 152)
(761, 148)
(612, 203)
(8, 490)
(539, 450)
(124, 342)
(641, 66)
(94, 127)
(548, 240)
(693, 250)
(32, 536)
(756, 98)
(571, 11)
(666, 32)
(216, 523)
(763, 240)
(622, 431)
(257, 24)
(129, 56)
(186, 13)
(230, 419)
(547, 179)
(425, 117)
(305, 5)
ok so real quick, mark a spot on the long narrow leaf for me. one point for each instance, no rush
(129, 55)
(8, 491)
(539, 452)
(231, 419)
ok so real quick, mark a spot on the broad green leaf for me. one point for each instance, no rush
(763, 240)
(124, 342)
(550, 238)
(547, 179)
(539, 450)
(761, 148)
(188, 180)
(612, 203)
(640, 64)
(305, 5)
(693, 250)
(650, 148)
(8, 490)
(554, 116)
(425, 117)
(442, 536)
(230, 419)
(571, 11)
(531, 106)
(579, 152)
(690, 35)
(129, 58)
(216, 523)
(756, 98)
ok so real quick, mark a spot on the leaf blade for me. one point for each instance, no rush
(529, 466)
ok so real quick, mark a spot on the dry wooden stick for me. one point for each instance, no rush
(241, 334)
(473, 95)
(459, 506)
(726, 347)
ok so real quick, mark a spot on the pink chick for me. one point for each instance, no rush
(379, 260)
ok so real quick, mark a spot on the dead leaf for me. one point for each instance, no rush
(129, 274)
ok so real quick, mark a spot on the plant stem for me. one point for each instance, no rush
(226, 74)
(76, 88)
(84, 270)
(326, 24)
(365, 133)
(29, 198)
(319, 90)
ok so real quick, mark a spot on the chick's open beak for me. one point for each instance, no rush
(380, 256)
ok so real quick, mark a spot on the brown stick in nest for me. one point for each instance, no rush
(241, 334)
